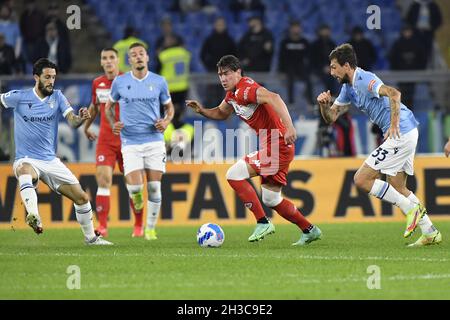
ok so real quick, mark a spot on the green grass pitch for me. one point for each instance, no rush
(175, 267)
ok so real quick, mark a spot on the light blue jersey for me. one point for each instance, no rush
(139, 103)
(364, 95)
(36, 122)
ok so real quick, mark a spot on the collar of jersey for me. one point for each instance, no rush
(357, 70)
(37, 96)
(132, 75)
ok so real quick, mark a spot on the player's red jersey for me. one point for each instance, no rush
(101, 88)
(271, 167)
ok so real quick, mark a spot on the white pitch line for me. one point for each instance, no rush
(281, 257)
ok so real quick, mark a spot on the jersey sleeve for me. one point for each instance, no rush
(64, 104)
(114, 96)
(10, 99)
(371, 84)
(342, 98)
(164, 95)
(247, 92)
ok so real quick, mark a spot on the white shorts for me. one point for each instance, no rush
(395, 155)
(150, 155)
(54, 173)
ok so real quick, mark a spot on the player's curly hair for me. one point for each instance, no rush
(229, 62)
(41, 64)
(344, 53)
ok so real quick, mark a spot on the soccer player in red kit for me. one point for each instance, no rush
(267, 114)
(108, 151)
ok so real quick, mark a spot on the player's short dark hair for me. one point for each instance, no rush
(344, 53)
(111, 49)
(41, 64)
(137, 44)
(229, 62)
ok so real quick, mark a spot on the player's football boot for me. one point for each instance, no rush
(101, 231)
(428, 239)
(150, 234)
(138, 232)
(412, 219)
(261, 230)
(313, 235)
(34, 221)
(98, 241)
(138, 200)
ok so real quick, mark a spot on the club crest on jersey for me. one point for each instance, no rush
(51, 104)
(150, 87)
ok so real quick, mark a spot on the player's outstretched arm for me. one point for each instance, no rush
(447, 148)
(394, 100)
(93, 111)
(330, 112)
(221, 112)
(109, 113)
(265, 96)
(77, 120)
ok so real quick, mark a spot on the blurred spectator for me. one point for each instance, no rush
(294, 60)
(407, 53)
(56, 49)
(168, 37)
(32, 27)
(7, 57)
(122, 46)
(256, 46)
(425, 17)
(236, 6)
(344, 136)
(187, 6)
(320, 64)
(218, 44)
(53, 16)
(10, 30)
(365, 51)
(174, 62)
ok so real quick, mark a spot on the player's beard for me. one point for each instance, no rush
(46, 92)
(345, 79)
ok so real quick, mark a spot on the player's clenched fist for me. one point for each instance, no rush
(194, 105)
(324, 98)
(161, 125)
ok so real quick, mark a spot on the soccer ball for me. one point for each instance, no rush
(210, 235)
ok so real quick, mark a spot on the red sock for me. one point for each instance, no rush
(248, 195)
(137, 215)
(287, 210)
(102, 209)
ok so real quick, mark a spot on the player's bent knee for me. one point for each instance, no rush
(82, 199)
(271, 198)
(154, 191)
(238, 171)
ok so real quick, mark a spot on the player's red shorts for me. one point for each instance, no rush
(272, 165)
(108, 155)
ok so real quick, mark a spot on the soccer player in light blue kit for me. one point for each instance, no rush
(36, 117)
(395, 157)
(140, 94)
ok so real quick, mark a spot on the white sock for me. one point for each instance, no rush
(153, 203)
(425, 224)
(412, 197)
(103, 191)
(28, 194)
(84, 218)
(384, 191)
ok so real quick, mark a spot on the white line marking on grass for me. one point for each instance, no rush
(215, 255)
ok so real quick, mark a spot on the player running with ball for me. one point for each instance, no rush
(395, 157)
(266, 113)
